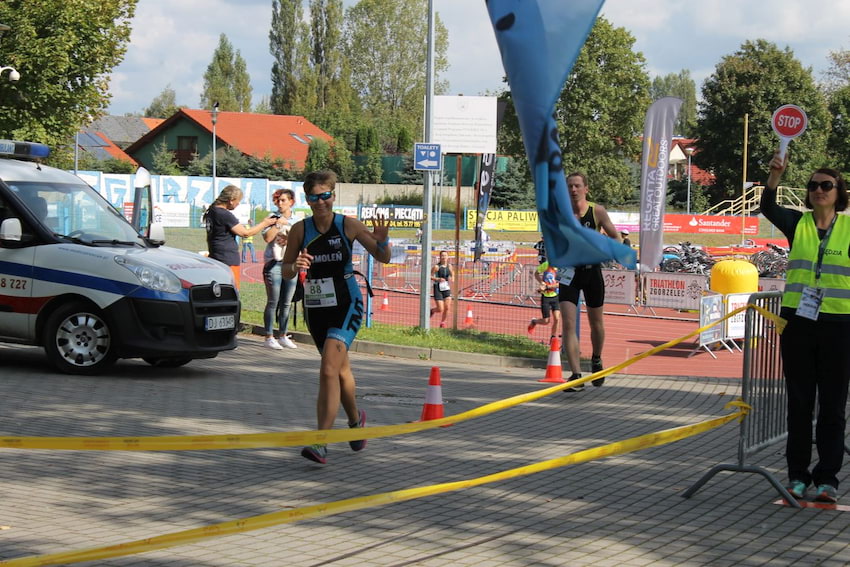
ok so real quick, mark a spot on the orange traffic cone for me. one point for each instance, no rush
(469, 319)
(553, 367)
(385, 303)
(433, 407)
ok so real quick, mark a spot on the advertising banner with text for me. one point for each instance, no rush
(673, 290)
(398, 216)
(519, 221)
(620, 286)
(704, 224)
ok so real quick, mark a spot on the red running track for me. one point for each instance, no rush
(626, 333)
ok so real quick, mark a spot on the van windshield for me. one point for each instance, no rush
(76, 211)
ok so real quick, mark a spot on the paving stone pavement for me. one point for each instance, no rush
(624, 511)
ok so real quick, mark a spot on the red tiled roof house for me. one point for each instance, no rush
(189, 132)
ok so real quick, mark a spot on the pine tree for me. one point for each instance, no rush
(226, 80)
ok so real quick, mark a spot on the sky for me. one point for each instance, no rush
(173, 41)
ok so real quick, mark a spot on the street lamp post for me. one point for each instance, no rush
(14, 76)
(214, 120)
(690, 152)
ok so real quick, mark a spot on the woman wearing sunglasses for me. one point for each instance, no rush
(816, 305)
(333, 303)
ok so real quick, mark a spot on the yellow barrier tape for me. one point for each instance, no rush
(295, 438)
(319, 510)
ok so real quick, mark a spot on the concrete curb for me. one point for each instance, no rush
(420, 353)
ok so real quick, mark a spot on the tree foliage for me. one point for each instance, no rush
(334, 106)
(755, 81)
(318, 155)
(334, 156)
(679, 85)
(163, 105)
(838, 143)
(387, 51)
(226, 80)
(285, 37)
(264, 106)
(163, 161)
(513, 188)
(837, 75)
(64, 52)
(601, 110)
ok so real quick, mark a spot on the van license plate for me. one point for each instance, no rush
(220, 323)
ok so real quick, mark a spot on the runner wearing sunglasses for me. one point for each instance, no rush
(816, 304)
(333, 303)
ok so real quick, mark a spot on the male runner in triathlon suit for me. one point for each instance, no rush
(587, 279)
(321, 244)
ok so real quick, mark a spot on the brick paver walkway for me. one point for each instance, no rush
(621, 511)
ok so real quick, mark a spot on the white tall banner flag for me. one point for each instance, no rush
(657, 139)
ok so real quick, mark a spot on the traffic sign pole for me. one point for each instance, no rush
(427, 193)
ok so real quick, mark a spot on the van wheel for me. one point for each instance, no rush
(78, 340)
(167, 362)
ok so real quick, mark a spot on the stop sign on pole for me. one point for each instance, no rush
(789, 121)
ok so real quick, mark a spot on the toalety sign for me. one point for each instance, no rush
(789, 121)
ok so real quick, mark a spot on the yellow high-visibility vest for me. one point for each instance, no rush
(835, 271)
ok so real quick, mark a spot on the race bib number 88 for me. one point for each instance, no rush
(319, 293)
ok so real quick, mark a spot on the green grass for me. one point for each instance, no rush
(462, 340)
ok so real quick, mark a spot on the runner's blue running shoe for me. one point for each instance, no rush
(827, 493)
(358, 445)
(797, 489)
(316, 453)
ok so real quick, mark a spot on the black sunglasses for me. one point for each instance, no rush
(323, 196)
(824, 185)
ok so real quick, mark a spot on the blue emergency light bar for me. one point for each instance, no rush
(23, 150)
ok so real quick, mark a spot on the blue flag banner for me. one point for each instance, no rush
(539, 42)
(657, 143)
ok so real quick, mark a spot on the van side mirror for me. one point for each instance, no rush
(142, 178)
(156, 233)
(11, 229)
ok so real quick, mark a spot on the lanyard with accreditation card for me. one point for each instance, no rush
(812, 297)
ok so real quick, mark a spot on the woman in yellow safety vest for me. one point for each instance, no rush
(816, 304)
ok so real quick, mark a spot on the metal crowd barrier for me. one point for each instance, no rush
(763, 389)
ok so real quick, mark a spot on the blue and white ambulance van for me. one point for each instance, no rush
(89, 286)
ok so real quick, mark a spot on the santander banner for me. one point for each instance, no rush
(703, 224)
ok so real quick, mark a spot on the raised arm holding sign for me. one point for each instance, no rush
(789, 121)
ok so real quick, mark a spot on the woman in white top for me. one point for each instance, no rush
(279, 290)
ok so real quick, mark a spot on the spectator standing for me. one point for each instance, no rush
(279, 290)
(441, 275)
(624, 234)
(540, 246)
(248, 245)
(547, 279)
(223, 227)
(813, 345)
(587, 280)
(321, 245)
